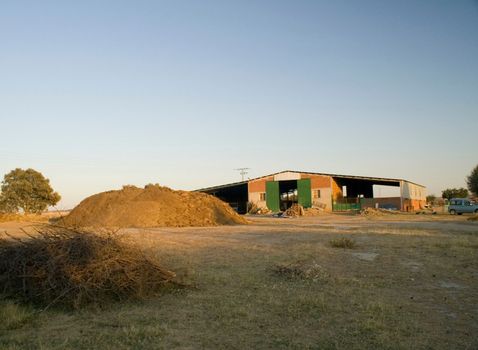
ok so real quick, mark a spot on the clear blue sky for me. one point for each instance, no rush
(97, 94)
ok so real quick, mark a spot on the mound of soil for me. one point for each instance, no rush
(153, 206)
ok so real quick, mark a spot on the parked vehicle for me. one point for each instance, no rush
(462, 205)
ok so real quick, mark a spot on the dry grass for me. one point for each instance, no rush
(420, 292)
(8, 217)
(14, 316)
(76, 268)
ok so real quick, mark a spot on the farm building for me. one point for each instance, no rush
(328, 191)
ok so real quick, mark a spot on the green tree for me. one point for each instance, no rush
(431, 198)
(472, 181)
(26, 190)
(450, 193)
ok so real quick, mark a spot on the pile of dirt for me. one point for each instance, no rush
(473, 218)
(58, 266)
(153, 206)
(295, 210)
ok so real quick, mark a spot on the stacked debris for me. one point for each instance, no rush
(253, 209)
(153, 206)
(376, 212)
(294, 210)
(263, 211)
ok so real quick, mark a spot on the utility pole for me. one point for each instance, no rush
(243, 172)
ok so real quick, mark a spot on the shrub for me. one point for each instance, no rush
(450, 193)
(301, 270)
(343, 242)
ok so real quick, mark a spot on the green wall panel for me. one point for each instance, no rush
(304, 192)
(272, 195)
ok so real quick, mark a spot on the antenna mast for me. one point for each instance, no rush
(243, 172)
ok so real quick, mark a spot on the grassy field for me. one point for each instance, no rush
(397, 283)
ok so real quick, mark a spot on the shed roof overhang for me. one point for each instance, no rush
(376, 180)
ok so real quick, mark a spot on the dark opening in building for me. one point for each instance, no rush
(288, 193)
(236, 196)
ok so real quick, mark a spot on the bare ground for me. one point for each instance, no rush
(410, 282)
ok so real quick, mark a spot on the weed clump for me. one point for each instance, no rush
(72, 268)
(301, 270)
(343, 242)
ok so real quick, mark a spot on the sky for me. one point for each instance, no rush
(98, 94)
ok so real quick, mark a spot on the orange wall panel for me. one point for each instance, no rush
(317, 181)
(259, 185)
(336, 190)
(413, 204)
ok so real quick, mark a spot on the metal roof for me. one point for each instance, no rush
(354, 177)
(225, 185)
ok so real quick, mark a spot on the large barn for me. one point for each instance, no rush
(331, 192)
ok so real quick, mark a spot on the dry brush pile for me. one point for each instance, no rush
(71, 268)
